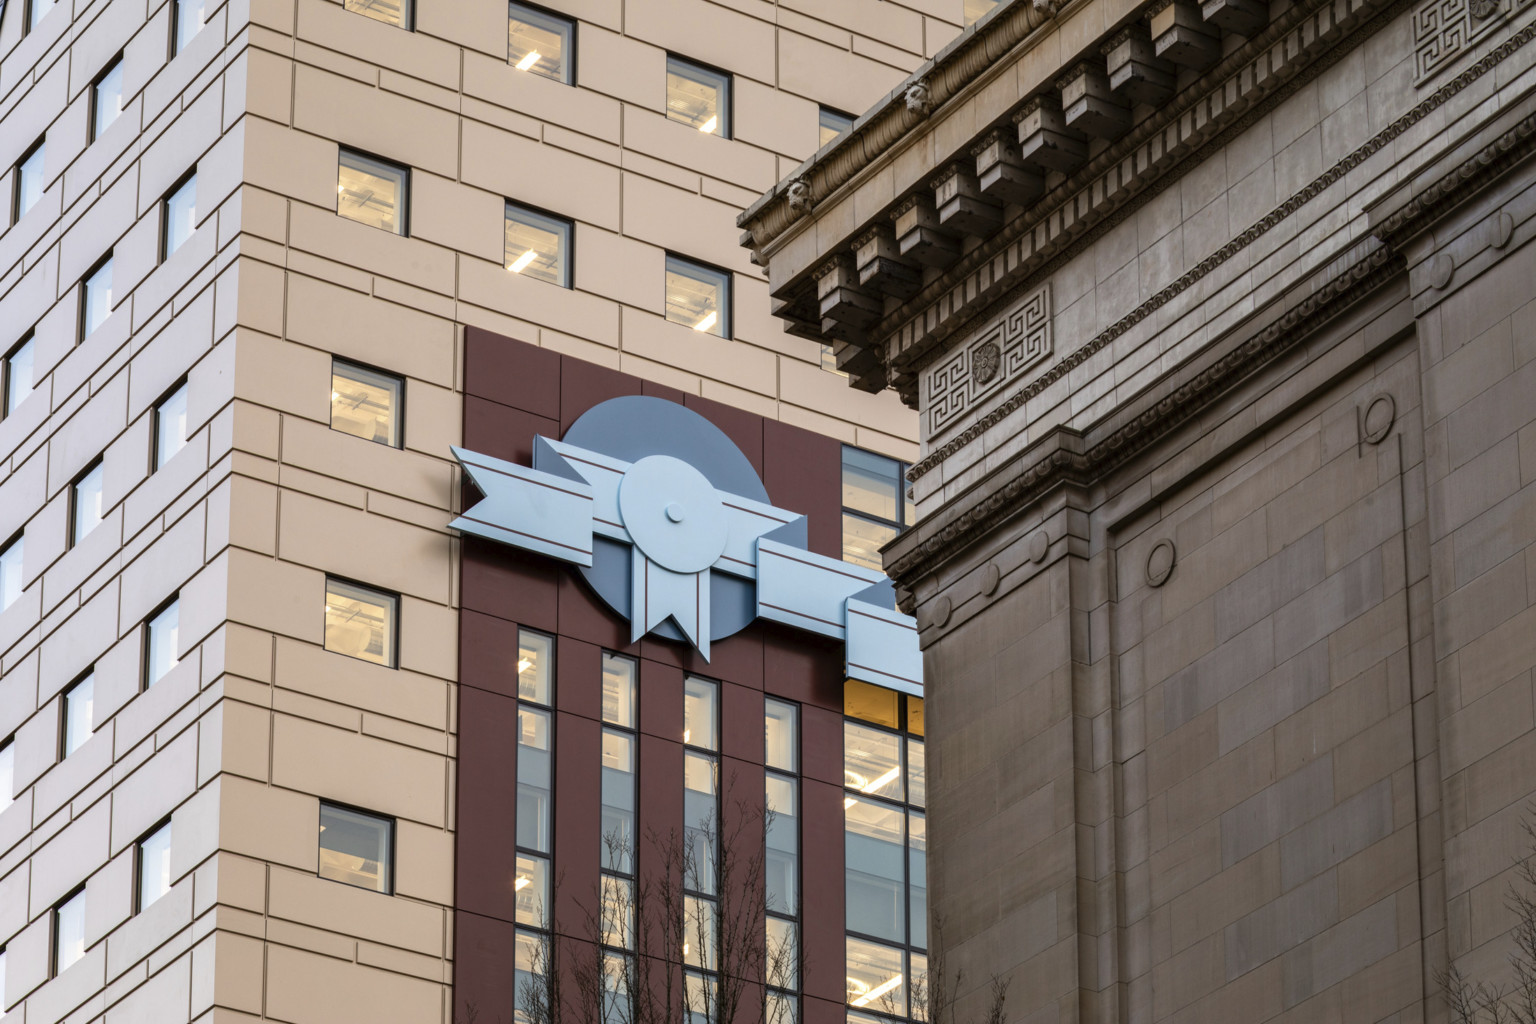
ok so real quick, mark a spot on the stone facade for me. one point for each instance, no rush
(1229, 601)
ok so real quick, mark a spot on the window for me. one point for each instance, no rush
(391, 12)
(68, 931)
(360, 622)
(357, 848)
(699, 97)
(78, 701)
(29, 180)
(154, 857)
(535, 811)
(701, 832)
(178, 216)
(371, 192)
(85, 504)
(96, 297)
(542, 43)
(538, 245)
(170, 425)
(975, 10)
(366, 403)
(107, 98)
(781, 749)
(186, 22)
(10, 571)
(699, 296)
(7, 771)
(833, 124)
(160, 642)
(36, 10)
(874, 509)
(619, 763)
(885, 858)
(17, 374)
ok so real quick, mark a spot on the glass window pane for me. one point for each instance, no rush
(915, 715)
(98, 298)
(833, 124)
(371, 192)
(29, 181)
(530, 956)
(189, 22)
(532, 890)
(781, 1008)
(782, 869)
(699, 713)
(781, 968)
(919, 987)
(78, 702)
(917, 867)
(10, 572)
(538, 245)
(18, 375)
(391, 12)
(107, 99)
(618, 691)
(781, 744)
(540, 42)
(7, 773)
(862, 541)
(699, 932)
(170, 426)
(699, 97)
(155, 866)
(876, 979)
(161, 654)
(366, 403)
(875, 851)
(38, 9)
(917, 773)
(871, 703)
(618, 816)
(535, 665)
(616, 1007)
(360, 622)
(534, 775)
(700, 820)
(354, 848)
(180, 215)
(975, 9)
(829, 361)
(871, 483)
(618, 923)
(698, 297)
(69, 932)
(699, 993)
(872, 761)
(86, 497)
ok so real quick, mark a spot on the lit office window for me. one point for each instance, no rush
(699, 296)
(68, 931)
(620, 745)
(885, 856)
(976, 9)
(160, 642)
(538, 245)
(701, 832)
(360, 622)
(107, 98)
(535, 811)
(10, 571)
(178, 216)
(154, 855)
(699, 97)
(96, 297)
(391, 12)
(366, 403)
(874, 509)
(78, 702)
(781, 757)
(833, 124)
(540, 42)
(356, 848)
(187, 22)
(170, 425)
(29, 180)
(7, 771)
(36, 9)
(16, 375)
(371, 191)
(85, 504)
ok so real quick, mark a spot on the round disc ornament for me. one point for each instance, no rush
(673, 514)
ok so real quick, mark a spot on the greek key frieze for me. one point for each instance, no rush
(1444, 29)
(998, 354)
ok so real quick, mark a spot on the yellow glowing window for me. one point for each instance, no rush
(538, 245)
(360, 622)
(371, 192)
(699, 97)
(833, 124)
(876, 977)
(531, 890)
(391, 12)
(365, 403)
(699, 297)
(541, 43)
(356, 848)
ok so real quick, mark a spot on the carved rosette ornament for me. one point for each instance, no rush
(985, 362)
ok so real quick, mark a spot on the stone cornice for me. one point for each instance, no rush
(1383, 138)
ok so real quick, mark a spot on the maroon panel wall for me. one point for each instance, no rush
(513, 391)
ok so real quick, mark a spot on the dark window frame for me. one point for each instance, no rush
(53, 929)
(727, 114)
(569, 278)
(144, 681)
(155, 462)
(30, 334)
(84, 288)
(138, 861)
(728, 306)
(166, 252)
(397, 600)
(575, 27)
(26, 154)
(392, 833)
(64, 750)
(101, 76)
(405, 185)
(70, 540)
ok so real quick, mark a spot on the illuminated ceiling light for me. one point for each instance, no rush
(521, 883)
(523, 665)
(880, 781)
(848, 802)
(687, 735)
(335, 395)
(707, 322)
(528, 61)
(708, 127)
(878, 991)
(340, 189)
(520, 264)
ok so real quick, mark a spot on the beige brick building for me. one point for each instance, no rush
(1220, 319)
(231, 230)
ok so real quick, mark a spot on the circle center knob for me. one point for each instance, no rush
(656, 496)
(675, 512)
